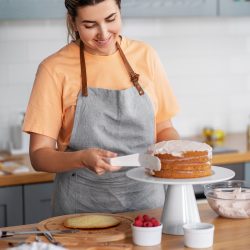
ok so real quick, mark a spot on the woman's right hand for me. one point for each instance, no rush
(95, 160)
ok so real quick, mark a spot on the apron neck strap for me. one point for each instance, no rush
(83, 70)
(133, 76)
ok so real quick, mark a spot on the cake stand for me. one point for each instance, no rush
(180, 206)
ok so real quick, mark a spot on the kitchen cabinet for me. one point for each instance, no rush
(168, 8)
(247, 172)
(37, 202)
(55, 9)
(229, 234)
(25, 204)
(239, 170)
(52, 9)
(32, 9)
(11, 207)
(234, 8)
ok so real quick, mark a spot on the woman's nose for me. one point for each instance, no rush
(103, 32)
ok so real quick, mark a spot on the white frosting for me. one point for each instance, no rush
(237, 194)
(178, 147)
(234, 204)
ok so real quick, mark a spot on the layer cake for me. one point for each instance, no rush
(181, 159)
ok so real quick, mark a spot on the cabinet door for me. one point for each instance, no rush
(239, 170)
(32, 9)
(234, 7)
(11, 208)
(164, 8)
(37, 202)
(247, 171)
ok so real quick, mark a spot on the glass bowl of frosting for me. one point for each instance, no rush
(230, 199)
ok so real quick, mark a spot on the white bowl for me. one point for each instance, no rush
(198, 235)
(146, 236)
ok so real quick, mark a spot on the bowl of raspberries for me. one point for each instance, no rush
(146, 230)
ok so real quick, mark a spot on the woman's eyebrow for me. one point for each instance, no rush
(111, 15)
(88, 21)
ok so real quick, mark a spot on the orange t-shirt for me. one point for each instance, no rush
(53, 99)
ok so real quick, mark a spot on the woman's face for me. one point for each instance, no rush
(99, 27)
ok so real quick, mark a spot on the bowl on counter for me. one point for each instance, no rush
(230, 199)
(146, 230)
(198, 235)
(146, 236)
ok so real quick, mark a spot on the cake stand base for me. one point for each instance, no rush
(180, 207)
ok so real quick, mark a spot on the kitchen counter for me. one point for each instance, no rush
(230, 234)
(236, 145)
(23, 178)
(233, 142)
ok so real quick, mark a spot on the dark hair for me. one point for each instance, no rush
(72, 5)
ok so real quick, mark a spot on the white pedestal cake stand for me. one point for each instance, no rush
(180, 205)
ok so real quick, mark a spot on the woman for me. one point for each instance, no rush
(88, 104)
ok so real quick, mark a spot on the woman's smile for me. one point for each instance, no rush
(103, 42)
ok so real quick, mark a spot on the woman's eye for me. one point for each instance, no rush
(110, 20)
(89, 27)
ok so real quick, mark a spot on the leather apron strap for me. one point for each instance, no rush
(134, 77)
(83, 70)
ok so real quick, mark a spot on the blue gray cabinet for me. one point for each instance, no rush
(239, 170)
(168, 8)
(32, 9)
(11, 206)
(52, 9)
(234, 7)
(247, 172)
(37, 202)
(25, 204)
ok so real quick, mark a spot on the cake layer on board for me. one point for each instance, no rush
(91, 221)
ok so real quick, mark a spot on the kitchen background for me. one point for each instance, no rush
(207, 60)
(204, 46)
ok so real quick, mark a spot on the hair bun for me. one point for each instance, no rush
(70, 3)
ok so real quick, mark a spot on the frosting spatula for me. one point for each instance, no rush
(136, 160)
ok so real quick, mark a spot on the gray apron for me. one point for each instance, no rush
(120, 121)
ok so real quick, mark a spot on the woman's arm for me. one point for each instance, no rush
(45, 157)
(166, 131)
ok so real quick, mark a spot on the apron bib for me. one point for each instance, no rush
(120, 121)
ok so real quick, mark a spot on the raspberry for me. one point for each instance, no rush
(153, 219)
(147, 224)
(146, 217)
(138, 223)
(156, 223)
(145, 221)
(139, 217)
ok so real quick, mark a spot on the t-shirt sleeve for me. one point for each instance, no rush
(167, 105)
(44, 111)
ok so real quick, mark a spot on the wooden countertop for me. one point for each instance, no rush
(23, 178)
(230, 234)
(235, 141)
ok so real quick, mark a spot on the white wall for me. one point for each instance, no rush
(207, 61)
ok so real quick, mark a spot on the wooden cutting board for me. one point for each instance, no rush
(119, 232)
